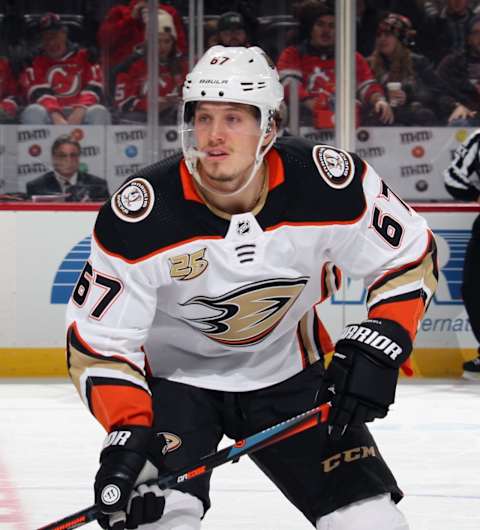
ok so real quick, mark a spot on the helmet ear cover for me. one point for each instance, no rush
(189, 112)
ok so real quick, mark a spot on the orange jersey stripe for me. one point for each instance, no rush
(406, 312)
(114, 405)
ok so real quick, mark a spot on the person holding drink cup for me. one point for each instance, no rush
(415, 93)
(396, 96)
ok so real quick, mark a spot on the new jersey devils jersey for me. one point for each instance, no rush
(177, 289)
(71, 81)
(318, 73)
(131, 86)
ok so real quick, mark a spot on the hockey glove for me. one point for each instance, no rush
(363, 374)
(145, 504)
(123, 499)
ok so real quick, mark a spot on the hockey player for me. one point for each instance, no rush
(195, 315)
(462, 180)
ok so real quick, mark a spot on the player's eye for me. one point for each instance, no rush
(233, 119)
(203, 119)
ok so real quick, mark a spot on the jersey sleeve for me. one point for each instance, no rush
(392, 249)
(108, 318)
(289, 67)
(92, 91)
(117, 27)
(128, 89)
(367, 85)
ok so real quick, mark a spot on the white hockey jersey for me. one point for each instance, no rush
(175, 289)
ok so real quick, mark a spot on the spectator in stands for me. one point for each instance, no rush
(210, 34)
(460, 71)
(8, 93)
(124, 29)
(234, 30)
(415, 92)
(67, 179)
(444, 29)
(462, 180)
(131, 96)
(312, 63)
(63, 85)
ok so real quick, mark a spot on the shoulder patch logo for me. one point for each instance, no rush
(133, 201)
(334, 165)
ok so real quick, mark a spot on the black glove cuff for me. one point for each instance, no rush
(135, 438)
(383, 340)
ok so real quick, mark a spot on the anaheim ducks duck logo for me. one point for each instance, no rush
(247, 315)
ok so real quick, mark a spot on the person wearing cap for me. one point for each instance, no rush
(233, 30)
(415, 92)
(460, 72)
(63, 85)
(131, 83)
(312, 64)
(197, 313)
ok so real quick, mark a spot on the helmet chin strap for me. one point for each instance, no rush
(259, 156)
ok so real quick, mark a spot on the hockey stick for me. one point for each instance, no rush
(247, 446)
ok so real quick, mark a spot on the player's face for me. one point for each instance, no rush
(323, 32)
(386, 42)
(227, 134)
(54, 43)
(66, 160)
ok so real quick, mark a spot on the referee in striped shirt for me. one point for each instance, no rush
(462, 180)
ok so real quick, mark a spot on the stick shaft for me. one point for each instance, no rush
(248, 445)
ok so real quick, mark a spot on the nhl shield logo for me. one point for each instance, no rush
(334, 165)
(133, 201)
(243, 227)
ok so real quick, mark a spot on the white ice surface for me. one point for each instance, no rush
(49, 448)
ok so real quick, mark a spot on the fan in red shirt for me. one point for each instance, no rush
(312, 62)
(63, 85)
(8, 92)
(131, 96)
(124, 28)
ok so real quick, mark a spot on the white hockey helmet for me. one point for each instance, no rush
(231, 74)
